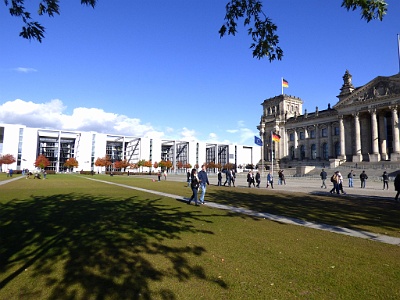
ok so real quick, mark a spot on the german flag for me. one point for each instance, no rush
(285, 83)
(276, 137)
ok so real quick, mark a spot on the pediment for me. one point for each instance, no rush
(378, 89)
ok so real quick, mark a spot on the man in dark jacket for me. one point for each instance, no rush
(323, 178)
(363, 178)
(203, 181)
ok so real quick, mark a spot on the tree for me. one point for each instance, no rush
(103, 161)
(261, 29)
(7, 159)
(71, 163)
(122, 164)
(41, 162)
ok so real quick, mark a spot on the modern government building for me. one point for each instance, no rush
(363, 126)
(26, 144)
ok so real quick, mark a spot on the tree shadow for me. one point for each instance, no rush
(346, 211)
(104, 245)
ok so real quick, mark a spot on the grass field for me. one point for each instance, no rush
(68, 237)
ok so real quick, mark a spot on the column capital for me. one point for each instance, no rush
(393, 108)
(372, 111)
(355, 114)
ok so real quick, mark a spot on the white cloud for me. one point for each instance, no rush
(187, 134)
(25, 70)
(50, 115)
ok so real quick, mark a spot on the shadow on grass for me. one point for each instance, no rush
(349, 212)
(95, 247)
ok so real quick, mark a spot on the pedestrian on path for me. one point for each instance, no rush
(397, 187)
(270, 180)
(258, 179)
(323, 178)
(203, 178)
(250, 179)
(350, 177)
(195, 183)
(363, 178)
(385, 178)
(335, 181)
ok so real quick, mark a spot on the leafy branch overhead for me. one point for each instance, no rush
(261, 29)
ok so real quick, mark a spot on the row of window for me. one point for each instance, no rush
(324, 133)
(313, 151)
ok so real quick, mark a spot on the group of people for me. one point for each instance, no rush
(252, 180)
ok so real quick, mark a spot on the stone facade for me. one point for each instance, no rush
(362, 126)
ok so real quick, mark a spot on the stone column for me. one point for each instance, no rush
(262, 131)
(382, 136)
(296, 145)
(317, 143)
(342, 139)
(306, 144)
(374, 156)
(330, 141)
(395, 123)
(357, 157)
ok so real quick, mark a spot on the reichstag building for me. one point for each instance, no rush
(363, 126)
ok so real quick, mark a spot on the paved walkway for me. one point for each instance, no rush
(293, 185)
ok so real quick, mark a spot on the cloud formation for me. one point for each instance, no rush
(51, 115)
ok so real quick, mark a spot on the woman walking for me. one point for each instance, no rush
(195, 183)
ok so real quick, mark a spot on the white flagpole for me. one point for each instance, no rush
(272, 155)
(282, 84)
(398, 49)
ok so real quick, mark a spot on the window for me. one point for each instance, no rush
(291, 137)
(302, 152)
(337, 149)
(324, 132)
(336, 130)
(313, 151)
(301, 135)
(312, 134)
(325, 151)
(292, 153)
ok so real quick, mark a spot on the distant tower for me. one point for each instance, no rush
(347, 87)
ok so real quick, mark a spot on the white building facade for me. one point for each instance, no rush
(27, 143)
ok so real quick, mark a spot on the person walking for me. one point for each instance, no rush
(165, 174)
(270, 180)
(258, 179)
(188, 178)
(397, 187)
(323, 178)
(159, 176)
(363, 178)
(350, 177)
(385, 178)
(195, 183)
(227, 177)
(250, 178)
(233, 177)
(340, 183)
(335, 181)
(219, 178)
(203, 178)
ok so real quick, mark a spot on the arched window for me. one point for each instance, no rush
(313, 151)
(302, 152)
(325, 151)
(292, 152)
(337, 149)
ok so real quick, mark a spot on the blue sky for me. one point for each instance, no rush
(159, 68)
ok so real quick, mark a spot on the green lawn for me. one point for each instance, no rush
(72, 238)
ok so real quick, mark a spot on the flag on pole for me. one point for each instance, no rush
(285, 83)
(257, 141)
(276, 137)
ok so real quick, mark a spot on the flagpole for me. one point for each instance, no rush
(398, 49)
(281, 86)
(272, 155)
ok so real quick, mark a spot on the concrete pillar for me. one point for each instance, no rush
(382, 137)
(296, 145)
(342, 138)
(374, 156)
(395, 126)
(357, 157)
(318, 141)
